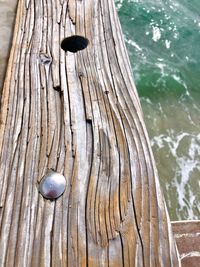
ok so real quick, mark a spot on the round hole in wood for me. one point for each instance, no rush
(74, 43)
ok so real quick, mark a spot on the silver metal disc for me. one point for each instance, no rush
(52, 185)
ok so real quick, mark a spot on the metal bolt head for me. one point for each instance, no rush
(52, 185)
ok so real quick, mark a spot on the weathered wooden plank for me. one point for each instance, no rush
(78, 114)
(7, 11)
(187, 236)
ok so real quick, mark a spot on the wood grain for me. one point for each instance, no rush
(187, 236)
(78, 114)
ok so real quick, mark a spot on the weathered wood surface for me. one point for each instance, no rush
(7, 16)
(79, 114)
(187, 236)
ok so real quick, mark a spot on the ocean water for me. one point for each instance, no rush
(163, 41)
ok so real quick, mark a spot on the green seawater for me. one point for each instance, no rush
(163, 41)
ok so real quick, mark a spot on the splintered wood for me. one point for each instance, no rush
(78, 114)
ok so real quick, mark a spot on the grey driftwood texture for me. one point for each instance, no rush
(78, 114)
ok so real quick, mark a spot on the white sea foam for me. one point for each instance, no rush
(185, 165)
(167, 44)
(156, 33)
(134, 44)
(162, 67)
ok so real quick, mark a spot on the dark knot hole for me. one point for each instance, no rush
(74, 43)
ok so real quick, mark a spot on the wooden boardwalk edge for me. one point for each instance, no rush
(187, 236)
